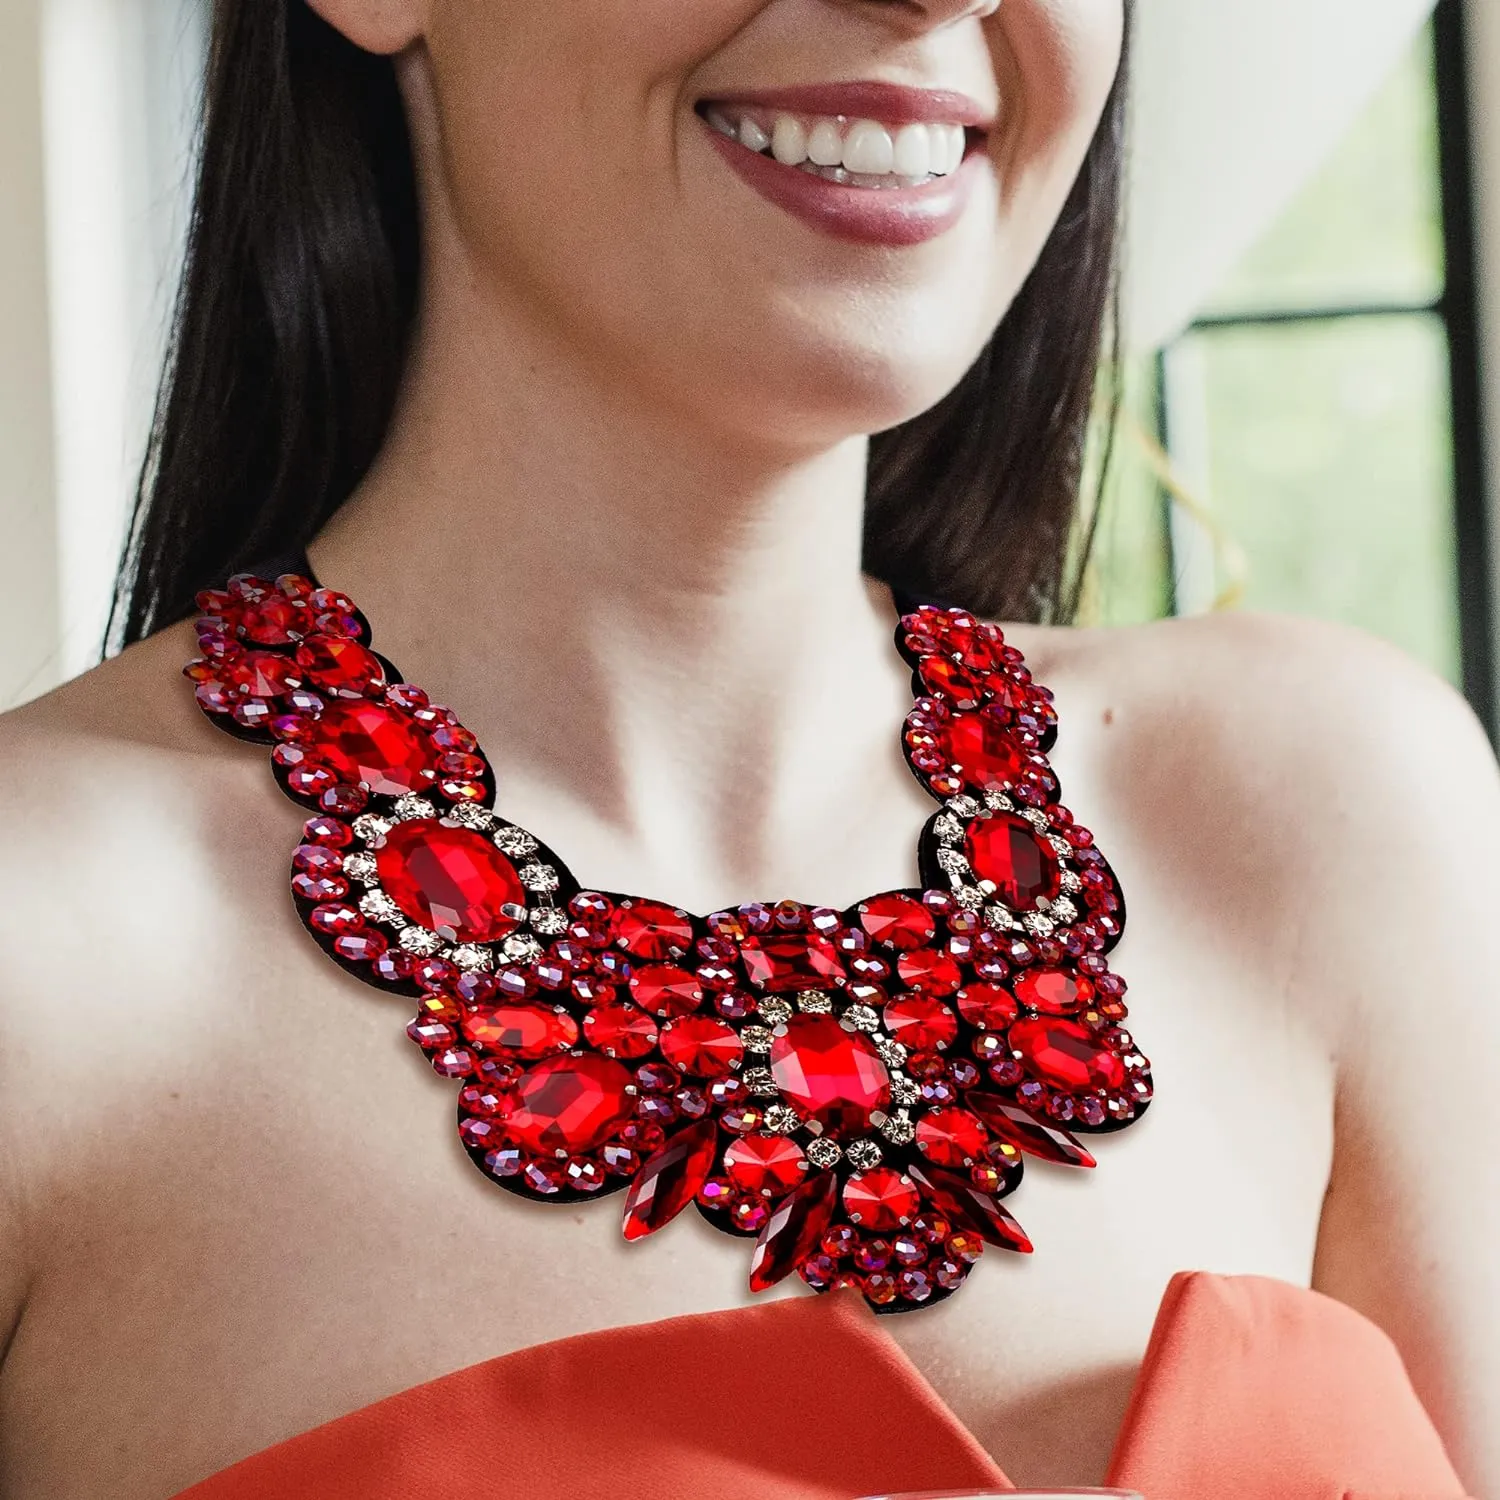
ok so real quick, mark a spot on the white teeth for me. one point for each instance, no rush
(863, 152)
(825, 146)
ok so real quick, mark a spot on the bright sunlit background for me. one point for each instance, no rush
(1316, 209)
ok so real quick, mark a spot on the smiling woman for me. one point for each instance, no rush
(643, 369)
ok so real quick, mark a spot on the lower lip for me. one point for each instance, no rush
(867, 216)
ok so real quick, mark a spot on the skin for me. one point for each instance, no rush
(617, 523)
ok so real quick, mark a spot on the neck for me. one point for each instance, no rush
(634, 607)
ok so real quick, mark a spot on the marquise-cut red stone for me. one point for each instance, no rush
(979, 745)
(651, 929)
(1066, 1055)
(970, 1206)
(450, 879)
(373, 744)
(568, 1104)
(670, 1180)
(528, 1031)
(803, 961)
(900, 921)
(793, 1231)
(834, 1076)
(1006, 849)
(1025, 1132)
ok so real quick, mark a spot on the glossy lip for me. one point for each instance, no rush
(865, 216)
(869, 99)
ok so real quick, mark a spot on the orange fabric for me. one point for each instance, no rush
(1251, 1389)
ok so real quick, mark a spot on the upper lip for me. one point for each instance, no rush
(869, 99)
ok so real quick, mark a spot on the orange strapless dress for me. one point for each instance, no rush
(1251, 1389)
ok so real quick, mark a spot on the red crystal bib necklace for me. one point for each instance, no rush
(855, 1091)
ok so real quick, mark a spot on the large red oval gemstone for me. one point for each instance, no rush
(372, 743)
(1006, 849)
(983, 751)
(836, 1076)
(570, 1104)
(1067, 1055)
(450, 879)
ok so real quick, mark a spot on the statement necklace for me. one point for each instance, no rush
(855, 1091)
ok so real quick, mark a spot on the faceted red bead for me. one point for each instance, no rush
(1006, 849)
(666, 990)
(450, 879)
(670, 1180)
(568, 1104)
(931, 971)
(803, 961)
(970, 1207)
(987, 1006)
(769, 1165)
(896, 920)
(1066, 1055)
(528, 1031)
(702, 1046)
(793, 1231)
(1021, 1129)
(373, 744)
(920, 1023)
(620, 1030)
(1054, 992)
(951, 1137)
(337, 665)
(979, 745)
(881, 1199)
(651, 929)
(834, 1076)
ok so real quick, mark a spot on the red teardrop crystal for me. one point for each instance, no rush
(670, 1180)
(568, 1104)
(793, 1231)
(1006, 850)
(805, 961)
(374, 744)
(833, 1075)
(1066, 1055)
(1026, 1133)
(450, 879)
(967, 1205)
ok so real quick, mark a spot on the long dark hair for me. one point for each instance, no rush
(297, 303)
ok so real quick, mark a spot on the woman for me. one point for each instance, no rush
(598, 463)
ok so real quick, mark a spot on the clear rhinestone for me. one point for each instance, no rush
(946, 826)
(892, 1054)
(470, 957)
(368, 827)
(409, 808)
(521, 948)
(1071, 882)
(549, 921)
(1038, 925)
(515, 841)
(968, 898)
(965, 807)
(997, 801)
(360, 867)
(823, 1152)
(1001, 918)
(760, 1083)
(782, 1119)
(952, 862)
(904, 1090)
(1037, 818)
(815, 1002)
(863, 1155)
(472, 815)
(898, 1130)
(1060, 845)
(862, 1018)
(379, 907)
(756, 1038)
(1064, 910)
(775, 1010)
(420, 941)
(538, 877)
